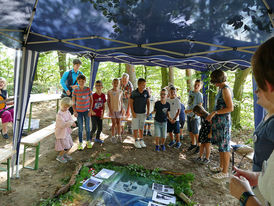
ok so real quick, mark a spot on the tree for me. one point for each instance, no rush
(188, 79)
(62, 62)
(164, 73)
(240, 79)
(130, 69)
(171, 75)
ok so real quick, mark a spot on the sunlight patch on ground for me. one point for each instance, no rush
(129, 140)
(182, 156)
(115, 156)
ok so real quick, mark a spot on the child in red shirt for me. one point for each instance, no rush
(98, 109)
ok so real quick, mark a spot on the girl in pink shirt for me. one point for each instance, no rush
(63, 131)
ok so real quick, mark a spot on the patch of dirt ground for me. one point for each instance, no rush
(33, 186)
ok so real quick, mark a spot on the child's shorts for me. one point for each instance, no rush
(193, 125)
(175, 128)
(160, 129)
(116, 115)
(138, 122)
(149, 117)
(182, 123)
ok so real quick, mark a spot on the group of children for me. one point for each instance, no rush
(169, 117)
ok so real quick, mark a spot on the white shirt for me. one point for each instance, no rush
(266, 180)
(174, 106)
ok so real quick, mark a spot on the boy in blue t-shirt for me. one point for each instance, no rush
(182, 120)
(161, 109)
(139, 100)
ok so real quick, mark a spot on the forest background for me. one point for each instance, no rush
(52, 65)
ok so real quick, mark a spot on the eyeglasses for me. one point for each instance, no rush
(98, 85)
(163, 94)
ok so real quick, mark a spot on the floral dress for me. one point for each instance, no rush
(221, 124)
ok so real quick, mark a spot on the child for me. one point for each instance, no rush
(62, 131)
(115, 105)
(139, 99)
(182, 119)
(195, 97)
(204, 134)
(161, 109)
(82, 106)
(147, 126)
(173, 121)
(98, 109)
(6, 114)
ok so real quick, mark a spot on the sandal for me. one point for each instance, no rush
(220, 175)
(216, 169)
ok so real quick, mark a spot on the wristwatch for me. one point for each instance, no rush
(244, 197)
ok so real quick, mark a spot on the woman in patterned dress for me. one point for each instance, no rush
(221, 122)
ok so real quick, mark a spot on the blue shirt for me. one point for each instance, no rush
(139, 101)
(65, 76)
(182, 117)
(194, 98)
(263, 143)
(161, 111)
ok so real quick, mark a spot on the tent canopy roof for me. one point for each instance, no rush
(183, 33)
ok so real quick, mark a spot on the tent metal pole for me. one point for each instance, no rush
(80, 38)
(31, 20)
(77, 45)
(91, 72)
(208, 44)
(118, 41)
(41, 35)
(162, 50)
(42, 42)
(166, 42)
(13, 30)
(11, 37)
(208, 52)
(247, 51)
(271, 15)
(112, 48)
(248, 47)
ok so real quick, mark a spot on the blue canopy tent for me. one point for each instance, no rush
(200, 35)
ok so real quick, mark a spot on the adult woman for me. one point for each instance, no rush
(221, 122)
(263, 70)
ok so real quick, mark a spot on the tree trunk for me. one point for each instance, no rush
(62, 62)
(211, 97)
(164, 73)
(120, 70)
(171, 75)
(145, 72)
(188, 79)
(130, 69)
(240, 78)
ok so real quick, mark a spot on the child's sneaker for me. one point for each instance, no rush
(172, 143)
(197, 149)
(163, 147)
(61, 159)
(113, 140)
(137, 144)
(149, 133)
(89, 145)
(120, 138)
(98, 141)
(142, 143)
(206, 161)
(199, 160)
(145, 133)
(67, 157)
(80, 146)
(191, 147)
(157, 148)
(178, 145)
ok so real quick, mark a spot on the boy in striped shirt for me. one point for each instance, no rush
(82, 103)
